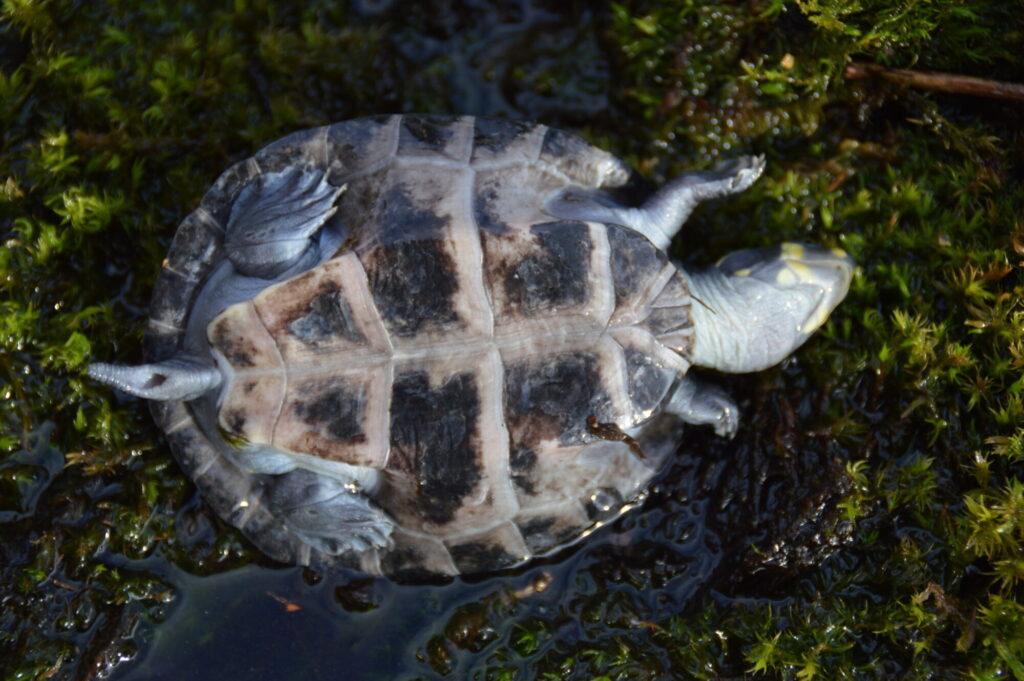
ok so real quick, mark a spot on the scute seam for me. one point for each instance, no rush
(280, 362)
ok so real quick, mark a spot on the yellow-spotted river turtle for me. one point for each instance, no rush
(439, 344)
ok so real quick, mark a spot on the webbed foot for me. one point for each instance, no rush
(700, 403)
(331, 516)
(273, 219)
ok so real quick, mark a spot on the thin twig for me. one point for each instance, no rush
(933, 80)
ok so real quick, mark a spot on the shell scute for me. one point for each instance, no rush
(359, 146)
(505, 142)
(504, 198)
(581, 163)
(435, 137)
(550, 398)
(552, 276)
(444, 475)
(502, 545)
(422, 262)
(635, 263)
(338, 417)
(547, 403)
(321, 313)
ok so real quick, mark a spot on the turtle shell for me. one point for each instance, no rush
(461, 341)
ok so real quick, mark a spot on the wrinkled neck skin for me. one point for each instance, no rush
(735, 333)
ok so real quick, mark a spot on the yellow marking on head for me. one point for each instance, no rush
(839, 253)
(794, 251)
(785, 277)
(812, 323)
(745, 272)
(802, 272)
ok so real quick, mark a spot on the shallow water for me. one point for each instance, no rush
(276, 622)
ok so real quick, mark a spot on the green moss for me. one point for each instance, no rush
(116, 117)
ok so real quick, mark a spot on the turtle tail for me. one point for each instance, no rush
(173, 379)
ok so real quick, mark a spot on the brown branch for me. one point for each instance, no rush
(933, 80)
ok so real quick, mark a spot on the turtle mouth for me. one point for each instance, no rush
(827, 272)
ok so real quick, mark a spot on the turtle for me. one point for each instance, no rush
(443, 345)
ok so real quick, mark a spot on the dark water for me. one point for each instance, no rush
(690, 539)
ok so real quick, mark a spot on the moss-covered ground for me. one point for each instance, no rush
(868, 520)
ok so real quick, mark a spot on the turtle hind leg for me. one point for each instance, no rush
(328, 514)
(699, 403)
(661, 216)
(274, 220)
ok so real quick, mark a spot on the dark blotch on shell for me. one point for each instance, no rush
(412, 277)
(479, 556)
(236, 422)
(237, 349)
(634, 262)
(554, 276)
(401, 218)
(413, 284)
(423, 134)
(521, 463)
(648, 382)
(435, 439)
(495, 135)
(329, 316)
(338, 410)
(553, 398)
(485, 213)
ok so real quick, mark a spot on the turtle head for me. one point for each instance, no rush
(757, 306)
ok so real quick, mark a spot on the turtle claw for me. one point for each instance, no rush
(700, 403)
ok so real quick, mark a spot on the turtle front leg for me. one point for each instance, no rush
(704, 404)
(662, 215)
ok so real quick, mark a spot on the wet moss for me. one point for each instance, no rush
(866, 522)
